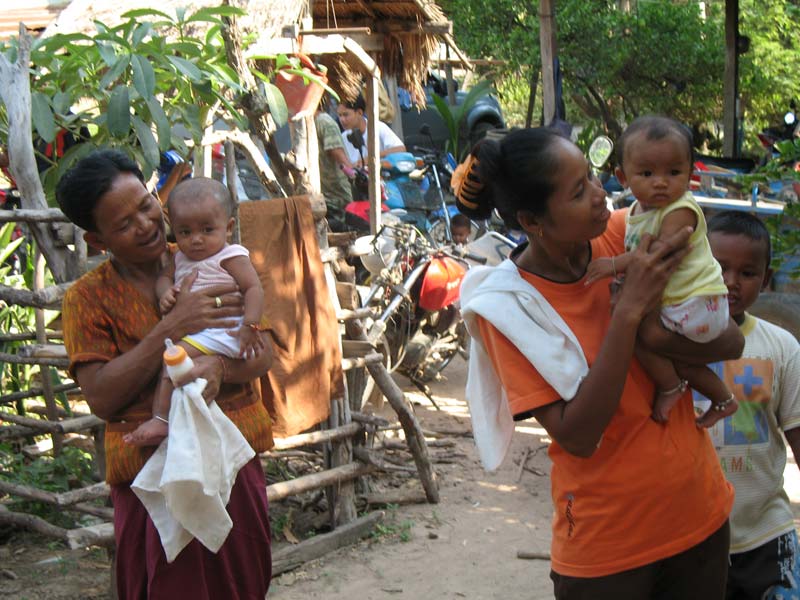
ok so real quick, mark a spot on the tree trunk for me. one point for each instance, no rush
(15, 90)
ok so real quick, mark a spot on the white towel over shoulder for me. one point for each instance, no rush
(520, 312)
(186, 484)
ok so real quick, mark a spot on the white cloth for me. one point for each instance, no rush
(750, 444)
(186, 484)
(520, 312)
(386, 139)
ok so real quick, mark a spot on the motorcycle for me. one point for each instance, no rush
(416, 322)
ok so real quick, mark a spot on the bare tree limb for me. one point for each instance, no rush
(49, 297)
(15, 91)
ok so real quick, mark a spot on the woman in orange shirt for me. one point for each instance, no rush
(641, 508)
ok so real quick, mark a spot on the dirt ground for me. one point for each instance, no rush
(464, 547)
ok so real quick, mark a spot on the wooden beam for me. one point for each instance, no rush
(49, 297)
(33, 215)
(306, 483)
(293, 557)
(317, 437)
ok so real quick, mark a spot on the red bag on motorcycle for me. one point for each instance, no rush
(441, 283)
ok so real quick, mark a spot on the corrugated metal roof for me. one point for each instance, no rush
(36, 14)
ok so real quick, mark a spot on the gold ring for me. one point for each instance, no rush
(217, 302)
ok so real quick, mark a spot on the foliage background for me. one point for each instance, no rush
(660, 56)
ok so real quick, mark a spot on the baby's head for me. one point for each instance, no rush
(655, 159)
(740, 242)
(200, 212)
(460, 228)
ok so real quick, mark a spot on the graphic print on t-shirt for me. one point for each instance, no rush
(750, 379)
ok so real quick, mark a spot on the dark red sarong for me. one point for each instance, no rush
(240, 570)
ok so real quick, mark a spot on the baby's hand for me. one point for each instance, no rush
(251, 343)
(167, 301)
(598, 269)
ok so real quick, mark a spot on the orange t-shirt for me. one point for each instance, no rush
(649, 491)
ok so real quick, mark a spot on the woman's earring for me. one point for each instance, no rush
(541, 233)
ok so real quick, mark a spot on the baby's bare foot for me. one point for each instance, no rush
(718, 411)
(149, 433)
(665, 400)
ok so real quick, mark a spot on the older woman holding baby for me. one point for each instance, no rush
(115, 338)
(641, 507)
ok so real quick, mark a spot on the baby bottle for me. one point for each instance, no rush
(176, 360)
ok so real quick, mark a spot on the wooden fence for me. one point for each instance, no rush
(336, 437)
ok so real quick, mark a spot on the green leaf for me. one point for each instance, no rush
(114, 72)
(61, 103)
(73, 155)
(163, 128)
(212, 13)
(42, 116)
(10, 247)
(276, 103)
(144, 78)
(187, 68)
(147, 140)
(145, 12)
(179, 144)
(449, 121)
(119, 112)
(107, 52)
(141, 32)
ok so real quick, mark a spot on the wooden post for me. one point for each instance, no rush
(391, 89)
(41, 338)
(373, 148)
(230, 177)
(532, 97)
(448, 74)
(730, 99)
(411, 427)
(547, 45)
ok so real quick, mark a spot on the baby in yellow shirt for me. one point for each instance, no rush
(655, 161)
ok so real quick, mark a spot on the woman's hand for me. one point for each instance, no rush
(214, 307)
(650, 268)
(210, 368)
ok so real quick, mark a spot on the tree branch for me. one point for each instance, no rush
(15, 91)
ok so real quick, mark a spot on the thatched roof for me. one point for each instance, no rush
(411, 32)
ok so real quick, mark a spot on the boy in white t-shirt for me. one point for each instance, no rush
(750, 443)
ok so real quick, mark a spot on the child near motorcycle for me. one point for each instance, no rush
(655, 161)
(460, 228)
(200, 215)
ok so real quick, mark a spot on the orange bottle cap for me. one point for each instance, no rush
(174, 355)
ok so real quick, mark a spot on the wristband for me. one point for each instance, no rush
(162, 419)
(255, 326)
